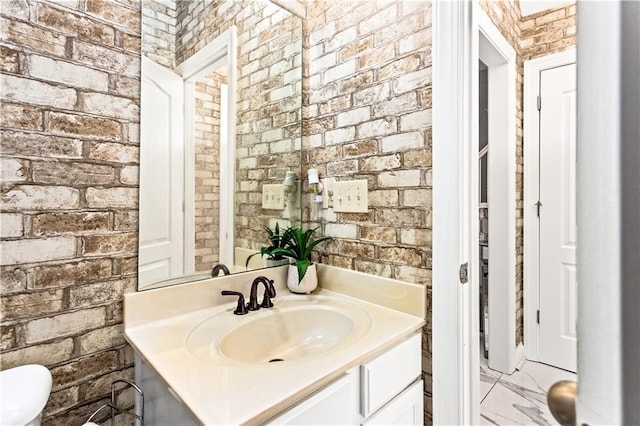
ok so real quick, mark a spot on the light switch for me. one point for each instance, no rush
(273, 196)
(350, 196)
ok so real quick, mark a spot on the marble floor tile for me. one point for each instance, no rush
(510, 404)
(521, 398)
(488, 377)
(538, 376)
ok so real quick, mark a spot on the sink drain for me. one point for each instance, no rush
(276, 360)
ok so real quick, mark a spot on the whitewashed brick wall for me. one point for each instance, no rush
(207, 171)
(69, 123)
(159, 31)
(549, 31)
(268, 136)
(367, 115)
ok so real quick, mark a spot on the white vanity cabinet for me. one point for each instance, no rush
(386, 390)
(372, 375)
(161, 406)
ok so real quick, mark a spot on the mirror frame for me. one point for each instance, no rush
(214, 55)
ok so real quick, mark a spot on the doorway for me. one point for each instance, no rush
(550, 285)
(607, 224)
(496, 138)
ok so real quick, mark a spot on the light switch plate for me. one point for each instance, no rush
(350, 196)
(327, 191)
(273, 196)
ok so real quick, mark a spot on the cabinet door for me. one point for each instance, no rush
(336, 404)
(404, 409)
(387, 375)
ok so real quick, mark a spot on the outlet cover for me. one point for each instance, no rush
(273, 196)
(327, 191)
(350, 196)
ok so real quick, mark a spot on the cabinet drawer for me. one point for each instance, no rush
(405, 409)
(335, 404)
(389, 374)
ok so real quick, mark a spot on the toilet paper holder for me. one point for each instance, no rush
(115, 410)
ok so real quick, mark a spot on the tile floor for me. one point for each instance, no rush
(519, 398)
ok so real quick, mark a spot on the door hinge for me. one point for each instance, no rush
(538, 316)
(539, 103)
(538, 205)
(464, 273)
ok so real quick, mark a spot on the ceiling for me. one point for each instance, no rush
(529, 7)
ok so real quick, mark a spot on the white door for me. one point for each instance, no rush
(161, 248)
(603, 330)
(558, 285)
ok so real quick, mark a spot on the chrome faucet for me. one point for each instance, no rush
(269, 292)
(220, 267)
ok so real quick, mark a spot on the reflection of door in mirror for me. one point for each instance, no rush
(187, 159)
(264, 72)
(161, 251)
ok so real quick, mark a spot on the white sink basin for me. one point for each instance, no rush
(296, 328)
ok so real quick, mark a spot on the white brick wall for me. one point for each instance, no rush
(112, 197)
(11, 225)
(37, 250)
(368, 116)
(40, 197)
(29, 91)
(69, 85)
(68, 73)
(64, 325)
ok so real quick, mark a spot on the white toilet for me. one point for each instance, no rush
(24, 392)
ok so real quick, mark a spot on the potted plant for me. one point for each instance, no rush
(299, 245)
(276, 240)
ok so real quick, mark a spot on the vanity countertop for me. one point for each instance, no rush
(228, 391)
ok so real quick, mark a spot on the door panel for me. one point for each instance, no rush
(558, 285)
(161, 175)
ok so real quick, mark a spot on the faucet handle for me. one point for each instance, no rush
(241, 309)
(269, 292)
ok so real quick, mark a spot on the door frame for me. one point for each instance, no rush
(607, 229)
(455, 362)
(531, 134)
(219, 52)
(500, 57)
(457, 28)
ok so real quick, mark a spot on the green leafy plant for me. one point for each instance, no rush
(299, 246)
(276, 240)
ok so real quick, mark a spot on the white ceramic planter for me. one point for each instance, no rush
(309, 282)
(272, 262)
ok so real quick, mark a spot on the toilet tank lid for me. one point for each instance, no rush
(24, 392)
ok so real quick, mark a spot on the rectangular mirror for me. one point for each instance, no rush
(220, 118)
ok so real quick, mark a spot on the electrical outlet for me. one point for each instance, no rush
(350, 196)
(273, 196)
